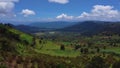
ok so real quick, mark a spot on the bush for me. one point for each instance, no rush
(3, 66)
(96, 62)
(8, 46)
(20, 48)
(62, 47)
(61, 65)
(116, 64)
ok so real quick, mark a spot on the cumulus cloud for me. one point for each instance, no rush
(9, 0)
(6, 7)
(64, 16)
(101, 12)
(27, 12)
(59, 1)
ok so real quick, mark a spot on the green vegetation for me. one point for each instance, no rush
(23, 36)
(58, 50)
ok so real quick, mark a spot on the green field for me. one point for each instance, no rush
(54, 50)
(53, 47)
(112, 50)
(23, 36)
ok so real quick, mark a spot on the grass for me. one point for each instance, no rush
(112, 49)
(23, 36)
(66, 43)
(26, 37)
(66, 53)
(54, 50)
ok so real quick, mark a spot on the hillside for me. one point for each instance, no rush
(31, 29)
(85, 28)
(52, 25)
(94, 27)
(12, 40)
(27, 29)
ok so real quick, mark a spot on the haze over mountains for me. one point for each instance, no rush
(44, 26)
(85, 28)
(53, 25)
(94, 27)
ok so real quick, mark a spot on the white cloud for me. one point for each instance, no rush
(64, 16)
(6, 7)
(59, 1)
(27, 12)
(9, 0)
(101, 12)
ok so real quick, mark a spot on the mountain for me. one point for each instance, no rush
(94, 27)
(31, 29)
(27, 29)
(85, 28)
(52, 25)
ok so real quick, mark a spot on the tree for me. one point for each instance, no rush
(62, 47)
(86, 50)
(81, 50)
(104, 47)
(40, 41)
(9, 25)
(34, 42)
(25, 42)
(89, 44)
(96, 62)
(8, 46)
(98, 49)
(77, 47)
(3, 66)
(110, 59)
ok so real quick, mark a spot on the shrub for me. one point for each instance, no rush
(116, 64)
(96, 62)
(62, 47)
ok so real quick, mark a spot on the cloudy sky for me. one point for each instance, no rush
(59, 10)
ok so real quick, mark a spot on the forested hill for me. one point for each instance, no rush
(94, 27)
(52, 25)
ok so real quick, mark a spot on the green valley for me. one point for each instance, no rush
(57, 49)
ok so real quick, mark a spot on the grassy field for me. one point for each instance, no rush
(54, 50)
(53, 47)
(23, 36)
(112, 50)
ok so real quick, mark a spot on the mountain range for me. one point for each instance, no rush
(52, 25)
(85, 28)
(94, 27)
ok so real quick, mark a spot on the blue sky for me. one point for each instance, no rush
(55, 10)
